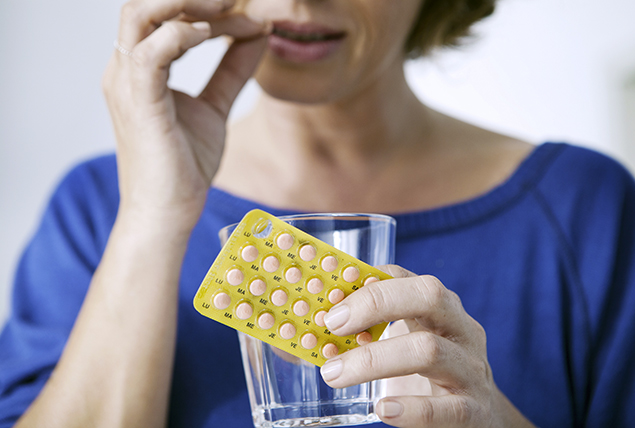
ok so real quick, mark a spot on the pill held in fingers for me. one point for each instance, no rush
(277, 283)
(364, 338)
(330, 350)
(319, 318)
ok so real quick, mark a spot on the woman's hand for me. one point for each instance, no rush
(443, 344)
(169, 144)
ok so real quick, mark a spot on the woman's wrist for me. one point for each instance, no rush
(170, 225)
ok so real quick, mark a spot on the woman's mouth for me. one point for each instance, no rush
(304, 42)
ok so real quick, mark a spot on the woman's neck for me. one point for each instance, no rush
(298, 148)
(377, 150)
(357, 131)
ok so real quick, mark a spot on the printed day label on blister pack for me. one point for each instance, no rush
(276, 283)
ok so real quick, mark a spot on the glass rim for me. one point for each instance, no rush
(339, 215)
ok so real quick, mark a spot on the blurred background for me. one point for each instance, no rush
(558, 70)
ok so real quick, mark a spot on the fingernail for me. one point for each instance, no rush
(337, 317)
(332, 369)
(257, 19)
(266, 24)
(389, 408)
(202, 26)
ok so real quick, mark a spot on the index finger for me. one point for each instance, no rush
(408, 296)
(139, 18)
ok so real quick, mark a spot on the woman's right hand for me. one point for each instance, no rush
(169, 144)
(169, 147)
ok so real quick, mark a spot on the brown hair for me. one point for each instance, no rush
(445, 23)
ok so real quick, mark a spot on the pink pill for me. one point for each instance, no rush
(350, 274)
(329, 263)
(307, 252)
(287, 330)
(308, 341)
(244, 311)
(222, 300)
(315, 285)
(285, 241)
(279, 297)
(271, 264)
(249, 253)
(319, 318)
(330, 350)
(370, 279)
(336, 295)
(364, 338)
(293, 275)
(235, 277)
(257, 287)
(301, 308)
(266, 321)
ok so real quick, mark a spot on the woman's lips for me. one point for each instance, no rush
(304, 42)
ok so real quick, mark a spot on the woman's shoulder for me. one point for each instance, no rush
(589, 199)
(576, 167)
(578, 182)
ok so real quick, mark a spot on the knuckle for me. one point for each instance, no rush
(173, 28)
(142, 57)
(426, 412)
(374, 298)
(454, 298)
(479, 332)
(367, 360)
(432, 290)
(463, 410)
(485, 371)
(131, 12)
(427, 348)
(176, 37)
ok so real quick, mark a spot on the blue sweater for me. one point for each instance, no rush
(545, 262)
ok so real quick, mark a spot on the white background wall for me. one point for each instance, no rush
(541, 69)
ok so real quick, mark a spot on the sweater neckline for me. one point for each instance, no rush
(435, 220)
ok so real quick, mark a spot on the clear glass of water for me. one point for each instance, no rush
(286, 391)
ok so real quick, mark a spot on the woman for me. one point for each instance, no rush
(535, 241)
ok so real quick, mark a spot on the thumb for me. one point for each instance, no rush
(396, 271)
(236, 67)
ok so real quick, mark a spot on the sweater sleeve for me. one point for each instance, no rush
(50, 284)
(612, 313)
(594, 203)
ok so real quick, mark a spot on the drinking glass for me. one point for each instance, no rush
(286, 391)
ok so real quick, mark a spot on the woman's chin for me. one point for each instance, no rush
(305, 90)
(295, 97)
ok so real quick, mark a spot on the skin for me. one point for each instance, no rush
(349, 120)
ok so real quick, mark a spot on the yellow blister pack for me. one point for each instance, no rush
(276, 283)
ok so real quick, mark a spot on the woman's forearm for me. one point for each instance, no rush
(117, 365)
(116, 368)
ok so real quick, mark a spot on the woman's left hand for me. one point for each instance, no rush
(444, 344)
